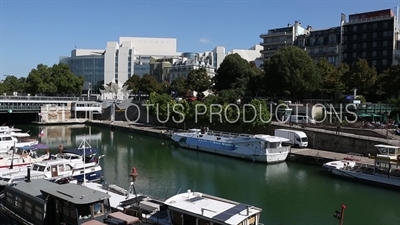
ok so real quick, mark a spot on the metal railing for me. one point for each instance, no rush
(20, 108)
(47, 98)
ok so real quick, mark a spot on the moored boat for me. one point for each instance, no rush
(259, 147)
(385, 171)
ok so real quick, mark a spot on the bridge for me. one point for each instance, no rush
(35, 104)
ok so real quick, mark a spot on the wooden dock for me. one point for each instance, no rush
(319, 157)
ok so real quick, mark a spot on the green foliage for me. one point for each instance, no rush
(133, 83)
(331, 77)
(13, 84)
(54, 80)
(234, 73)
(256, 114)
(161, 106)
(198, 80)
(179, 86)
(389, 82)
(291, 72)
(149, 84)
(361, 76)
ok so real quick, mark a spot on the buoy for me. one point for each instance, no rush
(134, 173)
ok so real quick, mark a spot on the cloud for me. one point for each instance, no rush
(204, 40)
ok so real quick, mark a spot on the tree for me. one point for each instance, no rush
(256, 78)
(162, 106)
(291, 72)
(331, 77)
(54, 80)
(256, 114)
(362, 77)
(149, 84)
(388, 83)
(198, 80)
(133, 83)
(179, 86)
(233, 73)
(13, 84)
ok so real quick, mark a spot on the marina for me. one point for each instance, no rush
(166, 170)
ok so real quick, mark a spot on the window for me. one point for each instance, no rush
(18, 202)
(373, 62)
(320, 50)
(364, 45)
(385, 24)
(384, 62)
(364, 54)
(354, 37)
(9, 198)
(354, 54)
(374, 25)
(354, 46)
(332, 39)
(321, 40)
(66, 209)
(385, 34)
(365, 27)
(385, 43)
(364, 36)
(312, 41)
(384, 53)
(373, 53)
(98, 209)
(374, 35)
(374, 44)
(38, 213)
(354, 28)
(28, 207)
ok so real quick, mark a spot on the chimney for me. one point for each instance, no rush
(28, 175)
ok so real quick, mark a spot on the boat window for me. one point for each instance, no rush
(67, 168)
(16, 160)
(72, 212)
(38, 168)
(252, 220)
(98, 209)
(176, 218)
(203, 222)
(189, 220)
(38, 212)
(304, 139)
(65, 209)
(274, 144)
(60, 168)
(18, 202)
(84, 212)
(9, 198)
(28, 207)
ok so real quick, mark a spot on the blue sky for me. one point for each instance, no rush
(34, 32)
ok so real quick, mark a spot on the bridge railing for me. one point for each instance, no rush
(20, 108)
(48, 98)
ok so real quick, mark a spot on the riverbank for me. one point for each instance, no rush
(303, 155)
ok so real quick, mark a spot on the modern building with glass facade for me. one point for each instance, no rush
(88, 63)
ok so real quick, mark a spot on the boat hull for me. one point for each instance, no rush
(270, 158)
(378, 180)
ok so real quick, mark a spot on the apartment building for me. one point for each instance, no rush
(370, 35)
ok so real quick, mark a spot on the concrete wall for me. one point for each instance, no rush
(55, 113)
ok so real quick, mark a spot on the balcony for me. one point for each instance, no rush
(274, 34)
(363, 20)
(275, 42)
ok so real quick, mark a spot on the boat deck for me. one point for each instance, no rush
(329, 156)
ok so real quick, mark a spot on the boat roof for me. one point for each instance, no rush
(5, 135)
(387, 146)
(17, 134)
(269, 138)
(33, 187)
(220, 210)
(79, 151)
(75, 194)
(56, 162)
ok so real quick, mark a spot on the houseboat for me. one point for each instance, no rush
(20, 157)
(41, 202)
(385, 171)
(257, 148)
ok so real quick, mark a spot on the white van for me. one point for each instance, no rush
(299, 119)
(297, 138)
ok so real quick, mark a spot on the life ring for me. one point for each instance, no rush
(398, 157)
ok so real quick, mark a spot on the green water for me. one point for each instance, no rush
(288, 193)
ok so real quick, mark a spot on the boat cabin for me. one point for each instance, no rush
(388, 150)
(193, 208)
(47, 203)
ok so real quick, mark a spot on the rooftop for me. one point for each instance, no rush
(76, 194)
(34, 187)
(222, 211)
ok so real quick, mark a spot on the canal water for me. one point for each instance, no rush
(289, 193)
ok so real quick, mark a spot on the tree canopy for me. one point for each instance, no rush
(291, 73)
(198, 80)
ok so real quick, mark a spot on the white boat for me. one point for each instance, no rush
(20, 158)
(5, 129)
(385, 171)
(185, 208)
(257, 148)
(78, 163)
(18, 140)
